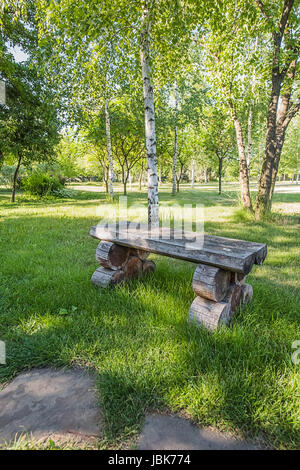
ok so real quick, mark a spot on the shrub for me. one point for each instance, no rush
(64, 193)
(41, 184)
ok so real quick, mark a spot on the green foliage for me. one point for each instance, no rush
(29, 122)
(41, 184)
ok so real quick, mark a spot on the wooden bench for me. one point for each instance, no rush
(219, 278)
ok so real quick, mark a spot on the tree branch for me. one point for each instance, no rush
(261, 6)
(287, 8)
(291, 113)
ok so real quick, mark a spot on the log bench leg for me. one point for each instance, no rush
(120, 264)
(219, 294)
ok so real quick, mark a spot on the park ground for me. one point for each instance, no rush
(136, 338)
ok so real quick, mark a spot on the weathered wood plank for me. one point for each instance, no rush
(228, 254)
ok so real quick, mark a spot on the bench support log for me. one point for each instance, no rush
(219, 294)
(120, 264)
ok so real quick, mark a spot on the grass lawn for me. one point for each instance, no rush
(136, 338)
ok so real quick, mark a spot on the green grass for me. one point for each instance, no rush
(136, 337)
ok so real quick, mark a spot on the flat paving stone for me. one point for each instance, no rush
(52, 404)
(162, 432)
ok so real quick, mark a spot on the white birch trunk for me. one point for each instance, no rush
(174, 187)
(109, 151)
(153, 215)
(249, 149)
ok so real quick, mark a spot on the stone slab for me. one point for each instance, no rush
(61, 405)
(162, 432)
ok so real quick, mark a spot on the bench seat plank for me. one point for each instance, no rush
(229, 254)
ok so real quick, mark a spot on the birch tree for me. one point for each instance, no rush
(174, 186)
(150, 130)
(281, 22)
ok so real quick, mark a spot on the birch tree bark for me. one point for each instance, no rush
(249, 147)
(244, 176)
(174, 187)
(150, 133)
(109, 150)
(250, 115)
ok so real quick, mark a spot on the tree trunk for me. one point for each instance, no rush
(1, 159)
(278, 116)
(109, 150)
(205, 175)
(174, 187)
(220, 174)
(297, 171)
(249, 147)
(125, 188)
(15, 178)
(263, 201)
(193, 173)
(150, 133)
(280, 136)
(130, 182)
(244, 177)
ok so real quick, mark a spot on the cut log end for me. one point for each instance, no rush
(148, 267)
(112, 256)
(104, 277)
(210, 282)
(133, 267)
(208, 313)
